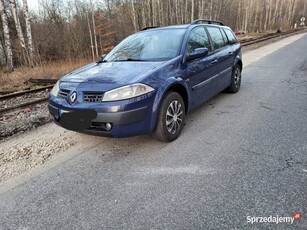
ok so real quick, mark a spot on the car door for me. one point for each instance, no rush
(199, 72)
(224, 54)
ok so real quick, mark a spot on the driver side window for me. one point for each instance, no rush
(198, 39)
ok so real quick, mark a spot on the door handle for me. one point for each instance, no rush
(214, 62)
(230, 53)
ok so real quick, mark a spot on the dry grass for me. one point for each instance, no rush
(17, 80)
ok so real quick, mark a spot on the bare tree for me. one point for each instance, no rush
(82, 28)
(2, 55)
(28, 32)
(192, 10)
(7, 39)
(95, 34)
(91, 37)
(19, 32)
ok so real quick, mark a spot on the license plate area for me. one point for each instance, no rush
(77, 120)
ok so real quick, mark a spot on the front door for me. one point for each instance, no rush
(200, 76)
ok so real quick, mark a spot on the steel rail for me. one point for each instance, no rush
(25, 104)
(21, 93)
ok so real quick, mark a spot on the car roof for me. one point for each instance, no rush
(184, 26)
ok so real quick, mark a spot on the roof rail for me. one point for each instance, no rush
(207, 21)
(148, 28)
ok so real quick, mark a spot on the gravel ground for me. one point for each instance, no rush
(21, 121)
(24, 152)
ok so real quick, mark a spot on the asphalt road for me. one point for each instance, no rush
(239, 155)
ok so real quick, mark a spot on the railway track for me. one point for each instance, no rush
(42, 81)
(21, 99)
(252, 41)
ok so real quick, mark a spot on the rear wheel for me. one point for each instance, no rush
(171, 118)
(235, 80)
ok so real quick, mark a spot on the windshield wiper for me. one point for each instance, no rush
(130, 59)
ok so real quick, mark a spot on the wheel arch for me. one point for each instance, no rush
(182, 91)
(178, 86)
(239, 62)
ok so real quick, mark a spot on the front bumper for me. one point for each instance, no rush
(90, 122)
(126, 118)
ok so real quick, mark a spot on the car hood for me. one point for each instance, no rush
(118, 73)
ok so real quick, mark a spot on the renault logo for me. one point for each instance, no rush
(73, 97)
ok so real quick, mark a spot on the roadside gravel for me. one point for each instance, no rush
(26, 151)
(23, 120)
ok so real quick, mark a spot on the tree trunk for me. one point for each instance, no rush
(91, 37)
(2, 55)
(29, 33)
(210, 9)
(201, 9)
(267, 10)
(95, 35)
(19, 32)
(134, 16)
(186, 12)
(7, 39)
(192, 11)
(270, 15)
(276, 13)
(238, 19)
(255, 26)
(246, 19)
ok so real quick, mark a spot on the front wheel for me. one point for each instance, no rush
(171, 118)
(235, 80)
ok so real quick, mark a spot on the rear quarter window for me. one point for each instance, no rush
(231, 37)
(216, 37)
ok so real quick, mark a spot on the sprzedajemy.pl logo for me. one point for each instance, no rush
(273, 219)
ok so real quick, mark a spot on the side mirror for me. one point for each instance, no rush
(101, 58)
(197, 53)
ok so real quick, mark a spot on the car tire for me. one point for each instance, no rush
(235, 80)
(170, 118)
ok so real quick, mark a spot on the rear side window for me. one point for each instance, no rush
(198, 39)
(224, 37)
(216, 36)
(231, 37)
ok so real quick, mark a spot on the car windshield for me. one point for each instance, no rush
(152, 45)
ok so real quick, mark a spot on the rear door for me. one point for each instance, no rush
(225, 55)
(200, 76)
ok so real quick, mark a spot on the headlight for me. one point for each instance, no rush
(55, 89)
(127, 92)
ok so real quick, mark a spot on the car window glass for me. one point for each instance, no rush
(151, 45)
(216, 37)
(224, 37)
(231, 37)
(198, 39)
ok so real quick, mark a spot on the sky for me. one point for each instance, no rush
(33, 5)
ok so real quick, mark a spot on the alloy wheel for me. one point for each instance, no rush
(237, 77)
(174, 115)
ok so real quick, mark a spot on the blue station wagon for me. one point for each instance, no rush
(149, 81)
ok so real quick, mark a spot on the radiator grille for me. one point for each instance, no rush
(63, 93)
